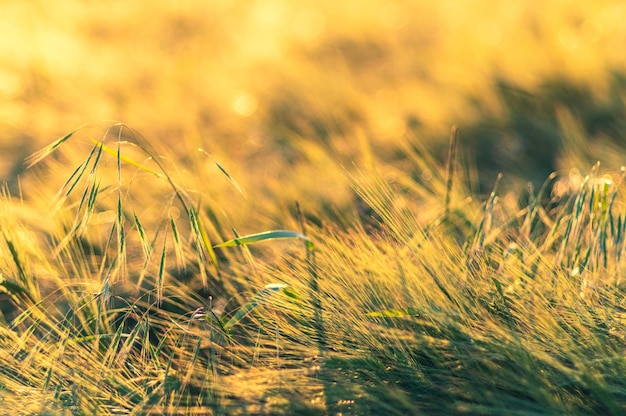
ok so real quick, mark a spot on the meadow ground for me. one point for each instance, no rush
(284, 222)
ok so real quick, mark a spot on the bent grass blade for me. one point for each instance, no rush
(46, 151)
(267, 236)
(125, 159)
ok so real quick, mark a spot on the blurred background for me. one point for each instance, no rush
(286, 94)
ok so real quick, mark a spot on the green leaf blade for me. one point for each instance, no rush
(263, 296)
(266, 236)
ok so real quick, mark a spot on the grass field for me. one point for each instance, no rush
(266, 209)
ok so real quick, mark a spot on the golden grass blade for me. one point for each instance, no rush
(125, 159)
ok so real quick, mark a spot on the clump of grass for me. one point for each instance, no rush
(114, 330)
(442, 304)
(498, 325)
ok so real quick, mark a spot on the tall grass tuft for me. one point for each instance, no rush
(130, 298)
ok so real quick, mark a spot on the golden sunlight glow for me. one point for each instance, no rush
(315, 67)
(309, 24)
(279, 207)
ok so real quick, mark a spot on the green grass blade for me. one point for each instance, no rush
(46, 151)
(498, 285)
(115, 345)
(78, 173)
(221, 168)
(93, 196)
(202, 237)
(266, 236)
(178, 246)
(260, 298)
(15, 289)
(231, 179)
(159, 287)
(89, 338)
(16, 260)
(145, 244)
(121, 236)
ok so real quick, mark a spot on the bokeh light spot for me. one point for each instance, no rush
(244, 104)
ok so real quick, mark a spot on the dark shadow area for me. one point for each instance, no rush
(559, 125)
